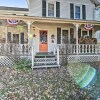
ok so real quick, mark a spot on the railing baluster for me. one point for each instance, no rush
(86, 48)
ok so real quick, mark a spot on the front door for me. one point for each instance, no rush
(43, 46)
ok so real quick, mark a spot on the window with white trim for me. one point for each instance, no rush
(50, 10)
(77, 12)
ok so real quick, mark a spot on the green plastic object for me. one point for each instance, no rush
(82, 73)
(88, 78)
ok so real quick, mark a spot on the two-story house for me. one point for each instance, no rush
(67, 25)
(65, 20)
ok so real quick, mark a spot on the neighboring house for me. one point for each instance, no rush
(54, 25)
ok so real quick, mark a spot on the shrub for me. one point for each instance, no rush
(23, 64)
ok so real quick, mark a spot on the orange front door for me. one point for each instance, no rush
(43, 47)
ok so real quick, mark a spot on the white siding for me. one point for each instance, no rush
(35, 8)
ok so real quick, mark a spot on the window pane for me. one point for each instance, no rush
(65, 36)
(77, 12)
(84, 34)
(51, 10)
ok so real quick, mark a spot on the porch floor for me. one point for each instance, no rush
(44, 54)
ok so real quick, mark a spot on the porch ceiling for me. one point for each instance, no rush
(50, 20)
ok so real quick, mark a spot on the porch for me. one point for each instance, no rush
(58, 56)
(69, 49)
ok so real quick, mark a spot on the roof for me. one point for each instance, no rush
(13, 8)
(96, 2)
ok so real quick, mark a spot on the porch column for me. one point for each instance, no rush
(77, 26)
(6, 34)
(29, 30)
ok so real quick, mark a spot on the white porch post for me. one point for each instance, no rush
(29, 30)
(6, 34)
(58, 62)
(77, 26)
(32, 57)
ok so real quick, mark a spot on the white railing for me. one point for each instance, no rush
(21, 49)
(82, 48)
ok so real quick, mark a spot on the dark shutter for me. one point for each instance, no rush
(84, 11)
(79, 33)
(9, 36)
(58, 35)
(44, 8)
(90, 33)
(22, 38)
(57, 9)
(71, 10)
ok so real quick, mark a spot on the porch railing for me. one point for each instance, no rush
(19, 49)
(82, 48)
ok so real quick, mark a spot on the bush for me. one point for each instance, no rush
(23, 64)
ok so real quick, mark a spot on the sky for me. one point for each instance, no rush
(14, 3)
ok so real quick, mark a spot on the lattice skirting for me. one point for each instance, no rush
(5, 61)
(45, 61)
(83, 58)
(8, 61)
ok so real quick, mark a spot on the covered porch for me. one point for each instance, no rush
(69, 37)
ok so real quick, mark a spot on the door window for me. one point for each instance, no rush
(43, 37)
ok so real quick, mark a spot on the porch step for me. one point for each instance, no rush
(47, 66)
(45, 60)
(44, 55)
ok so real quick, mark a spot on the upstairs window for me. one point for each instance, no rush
(50, 10)
(77, 12)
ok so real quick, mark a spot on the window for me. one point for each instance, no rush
(15, 38)
(77, 12)
(65, 36)
(50, 10)
(84, 34)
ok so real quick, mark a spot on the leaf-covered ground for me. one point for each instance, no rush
(39, 84)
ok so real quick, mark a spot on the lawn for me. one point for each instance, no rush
(39, 84)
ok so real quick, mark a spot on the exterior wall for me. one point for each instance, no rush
(13, 30)
(35, 8)
(52, 30)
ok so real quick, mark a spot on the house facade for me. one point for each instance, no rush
(65, 20)
(49, 25)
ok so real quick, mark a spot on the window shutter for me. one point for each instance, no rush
(90, 33)
(79, 33)
(57, 9)
(71, 10)
(22, 38)
(58, 35)
(44, 8)
(84, 11)
(9, 37)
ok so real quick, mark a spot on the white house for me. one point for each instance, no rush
(67, 25)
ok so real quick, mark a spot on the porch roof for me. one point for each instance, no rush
(33, 19)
